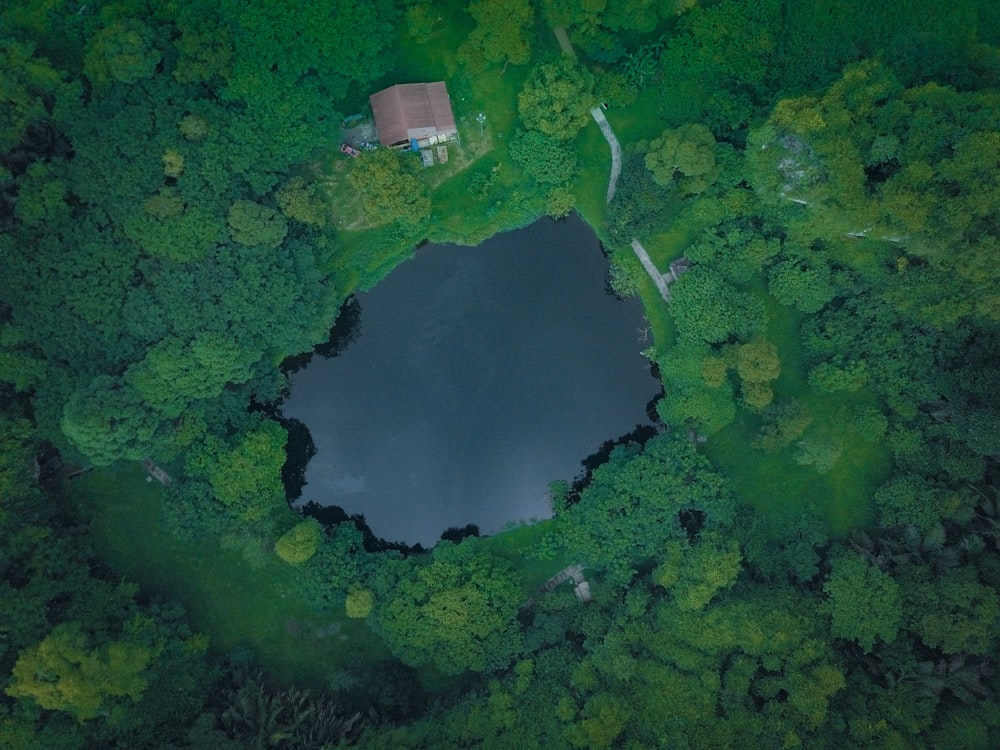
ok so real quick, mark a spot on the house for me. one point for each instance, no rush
(414, 115)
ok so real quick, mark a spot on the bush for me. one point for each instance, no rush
(298, 544)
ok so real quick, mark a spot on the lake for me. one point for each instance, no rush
(479, 376)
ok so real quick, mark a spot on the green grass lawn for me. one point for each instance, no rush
(773, 482)
(236, 605)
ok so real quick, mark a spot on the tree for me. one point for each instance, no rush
(256, 225)
(64, 673)
(640, 500)
(247, 477)
(806, 286)
(501, 33)
(456, 613)
(31, 87)
(556, 99)
(299, 543)
(685, 156)
(757, 361)
(124, 52)
(390, 187)
(303, 202)
(705, 307)
(546, 159)
(819, 449)
(865, 603)
(359, 603)
(694, 573)
(107, 420)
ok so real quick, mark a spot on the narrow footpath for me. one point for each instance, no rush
(651, 269)
(616, 169)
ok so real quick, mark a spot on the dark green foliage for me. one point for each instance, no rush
(640, 500)
(259, 716)
(640, 204)
(165, 244)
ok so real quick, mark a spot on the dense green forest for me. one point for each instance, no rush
(804, 553)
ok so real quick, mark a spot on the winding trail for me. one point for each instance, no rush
(651, 269)
(564, 43)
(616, 150)
(616, 169)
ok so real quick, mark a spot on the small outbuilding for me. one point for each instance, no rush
(414, 115)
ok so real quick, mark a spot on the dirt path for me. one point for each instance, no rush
(616, 150)
(602, 122)
(651, 269)
(564, 43)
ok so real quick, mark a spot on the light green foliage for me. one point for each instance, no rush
(456, 613)
(124, 51)
(625, 274)
(501, 34)
(390, 187)
(560, 201)
(692, 399)
(829, 378)
(359, 603)
(298, 544)
(694, 573)
(685, 155)
(422, 19)
(757, 361)
(546, 159)
(865, 602)
(303, 201)
(247, 477)
(556, 99)
(64, 673)
(601, 721)
(912, 166)
(256, 225)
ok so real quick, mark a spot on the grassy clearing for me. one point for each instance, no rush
(240, 607)
(773, 482)
(640, 121)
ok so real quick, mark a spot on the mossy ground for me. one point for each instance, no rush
(253, 609)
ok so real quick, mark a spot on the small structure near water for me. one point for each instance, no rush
(574, 573)
(414, 115)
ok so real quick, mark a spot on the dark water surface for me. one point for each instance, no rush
(479, 376)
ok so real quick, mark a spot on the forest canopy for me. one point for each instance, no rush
(803, 550)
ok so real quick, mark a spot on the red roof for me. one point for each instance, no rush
(412, 111)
